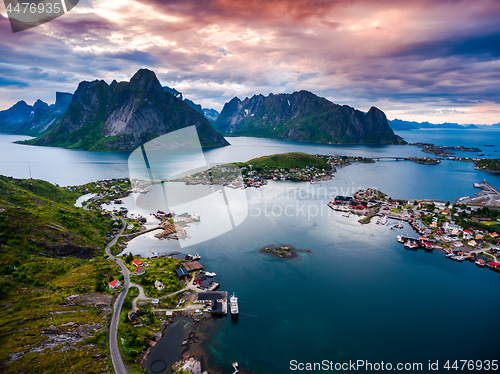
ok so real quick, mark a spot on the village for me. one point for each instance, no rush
(461, 230)
(172, 283)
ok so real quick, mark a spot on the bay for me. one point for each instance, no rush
(359, 295)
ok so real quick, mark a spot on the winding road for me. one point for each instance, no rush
(116, 357)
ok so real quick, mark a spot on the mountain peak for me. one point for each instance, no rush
(306, 117)
(146, 81)
(124, 115)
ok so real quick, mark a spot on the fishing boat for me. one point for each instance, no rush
(233, 300)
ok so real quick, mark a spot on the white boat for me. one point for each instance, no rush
(209, 274)
(383, 221)
(401, 238)
(459, 258)
(233, 300)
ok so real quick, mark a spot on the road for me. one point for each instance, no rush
(116, 358)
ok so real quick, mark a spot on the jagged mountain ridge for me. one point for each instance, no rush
(34, 119)
(124, 115)
(305, 117)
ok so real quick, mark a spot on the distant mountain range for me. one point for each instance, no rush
(400, 125)
(33, 119)
(303, 116)
(124, 115)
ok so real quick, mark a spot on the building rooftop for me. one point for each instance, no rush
(193, 265)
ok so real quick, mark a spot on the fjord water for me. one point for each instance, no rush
(359, 294)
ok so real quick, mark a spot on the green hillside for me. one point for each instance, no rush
(54, 301)
(288, 161)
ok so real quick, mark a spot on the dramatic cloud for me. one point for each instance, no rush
(434, 60)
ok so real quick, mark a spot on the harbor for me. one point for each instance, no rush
(474, 239)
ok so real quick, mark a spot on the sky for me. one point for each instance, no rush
(417, 60)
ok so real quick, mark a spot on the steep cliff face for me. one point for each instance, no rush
(124, 115)
(303, 116)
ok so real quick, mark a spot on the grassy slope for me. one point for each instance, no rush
(40, 220)
(288, 160)
(489, 165)
(47, 221)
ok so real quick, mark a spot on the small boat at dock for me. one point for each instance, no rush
(480, 262)
(233, 300)
(209, 274)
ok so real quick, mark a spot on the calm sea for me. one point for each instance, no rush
(359, 295)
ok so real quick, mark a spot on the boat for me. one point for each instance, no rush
(450, 255)
(209, 274)
(459, 258)
(411, 244)
(480, 262)
(400, 238)
(233, 300)
(347, 214)
(384, 220)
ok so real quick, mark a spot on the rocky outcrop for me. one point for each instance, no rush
(124, 115)
(303, 116)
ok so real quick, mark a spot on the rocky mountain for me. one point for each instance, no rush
(14, 117)
(44, 116)
(305, 117)
(33, 119)
(124, 115)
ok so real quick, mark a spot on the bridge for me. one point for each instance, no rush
(388, 158)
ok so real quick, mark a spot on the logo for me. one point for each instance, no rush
(170, 174)
(24, 15)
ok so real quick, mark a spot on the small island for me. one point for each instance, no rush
(283, 251)
(293, 166)
(491, 165)
(425, 160)
(442, 150)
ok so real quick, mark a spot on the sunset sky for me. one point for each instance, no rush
(417, 60)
